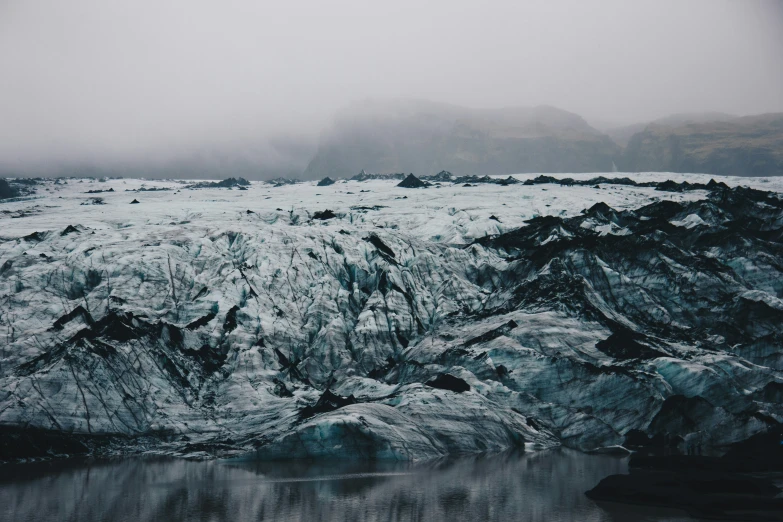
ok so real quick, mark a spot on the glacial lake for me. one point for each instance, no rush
(546, 486)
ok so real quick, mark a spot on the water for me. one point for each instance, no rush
(545, 486)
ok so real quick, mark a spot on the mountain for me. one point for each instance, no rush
(425, 137)
(747, 146)
(397, 324)
(622, 135)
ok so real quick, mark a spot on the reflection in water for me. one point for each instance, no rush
(544, 486)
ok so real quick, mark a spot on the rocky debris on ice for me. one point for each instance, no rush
(226, 183)
(366, 176)
(323, 215)
(474, 180)
(282, 182)
(442, 176)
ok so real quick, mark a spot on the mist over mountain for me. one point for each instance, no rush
(206, 90)
(623, 134)
(747, 146)
(426, 137)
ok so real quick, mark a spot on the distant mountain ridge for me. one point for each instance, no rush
(425, 137)
(622, 135)
(746, 146)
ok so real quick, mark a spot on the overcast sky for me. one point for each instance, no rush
(104, 79)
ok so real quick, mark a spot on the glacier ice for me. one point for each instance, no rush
(205, 322)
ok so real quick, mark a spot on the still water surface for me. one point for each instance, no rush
(545, 486)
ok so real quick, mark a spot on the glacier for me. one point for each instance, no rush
(363, 320)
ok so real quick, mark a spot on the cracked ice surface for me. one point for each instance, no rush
(215, 316)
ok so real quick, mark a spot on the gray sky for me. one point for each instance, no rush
(113, 80)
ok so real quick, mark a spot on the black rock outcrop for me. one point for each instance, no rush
(412, 182)
(741, 485)
(446, 381)
(326, 403)
(6, 191)
(226, 183)
(323, 215)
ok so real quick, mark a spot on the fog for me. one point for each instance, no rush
(171, 85)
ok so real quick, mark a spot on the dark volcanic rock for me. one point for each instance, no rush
(412, 182)
(32, 443)
(467, 180)
(442, 176)
(279, 182)
(150, 189)
(226, 183)
(680, 414)
(738, 486)
(6, 191)
(69, 230)
(326, 182)
(713, 495)
(281, 390)
(364, 208)
(233, 182)
(575, 248)
(134, 202)
(201, 321)
(230, 323)
(324, 215)
(761, 452)
(772, 392)
(365, 176)
(380, 245)
(446, 381)
(326, 403)
(35, 237)
(624, 344)
(667, 186)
